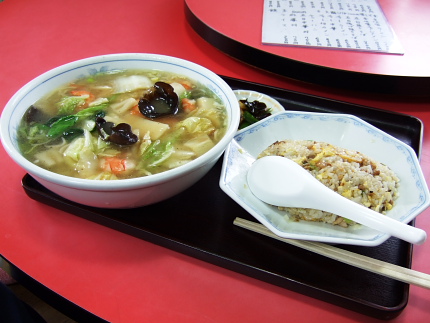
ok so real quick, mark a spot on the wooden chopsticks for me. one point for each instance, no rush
(399, 273)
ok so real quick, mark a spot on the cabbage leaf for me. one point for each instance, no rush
(68, 104)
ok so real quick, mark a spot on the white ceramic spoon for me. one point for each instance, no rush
(282, 182)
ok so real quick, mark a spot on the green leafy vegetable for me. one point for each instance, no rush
(249, 117)
(37, 133)
(35, 136)
(186, 95)
(61, 125)
(95, 111)
(197, 125)
(68, 104)
(58, 126)
(71, 134)
(158, 152)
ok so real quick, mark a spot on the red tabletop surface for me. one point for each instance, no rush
(118, 277)
(408, 19)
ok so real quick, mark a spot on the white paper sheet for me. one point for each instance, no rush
(358, 25)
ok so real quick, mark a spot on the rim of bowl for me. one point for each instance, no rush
(328, 114)
(88, 184)
(414, 158)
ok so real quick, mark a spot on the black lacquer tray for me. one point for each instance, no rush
(203, 228)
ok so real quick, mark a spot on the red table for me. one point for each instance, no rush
(113, 275)
(235, 28)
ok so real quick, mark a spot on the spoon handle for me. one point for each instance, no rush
(332, 202)
(372, 219)
(282, 182)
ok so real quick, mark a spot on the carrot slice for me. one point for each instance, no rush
(187, 85)
(188, 105)
(135, 111)
(90, 98)
(114, 164)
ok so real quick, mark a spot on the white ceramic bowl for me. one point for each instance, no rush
(338, 129)
(125, 193)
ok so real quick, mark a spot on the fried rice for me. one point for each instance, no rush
(347, 172)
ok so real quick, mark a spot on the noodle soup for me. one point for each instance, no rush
(122, 124)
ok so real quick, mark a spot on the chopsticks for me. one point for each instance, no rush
(399, 273)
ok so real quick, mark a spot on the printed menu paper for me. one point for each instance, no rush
(337, 24)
